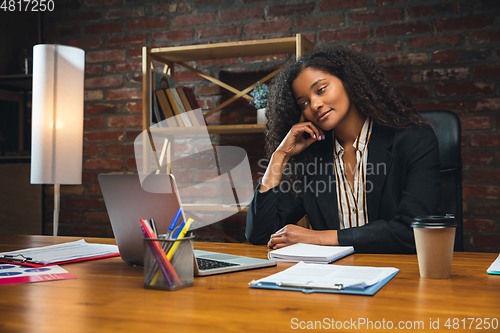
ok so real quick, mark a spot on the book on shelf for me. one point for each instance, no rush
(174, 106)
(166, 109)
(179, 107)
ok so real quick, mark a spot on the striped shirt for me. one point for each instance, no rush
(352, 200)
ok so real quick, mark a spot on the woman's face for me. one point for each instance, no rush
(321, 97)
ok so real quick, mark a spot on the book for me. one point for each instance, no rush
(308, 278)
(176, 100)
(59, 254)
(194, 103)
(310, 253)
(187, 106)
(495, 267)
(166, 109)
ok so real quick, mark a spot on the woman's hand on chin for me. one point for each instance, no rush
(292, 234)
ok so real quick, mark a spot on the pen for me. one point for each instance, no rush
(153, 226)
(174, 222)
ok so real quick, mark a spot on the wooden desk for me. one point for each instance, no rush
(108, 296)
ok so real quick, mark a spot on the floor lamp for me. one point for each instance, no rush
(57, 118)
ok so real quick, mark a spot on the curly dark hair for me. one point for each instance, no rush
(366, 83)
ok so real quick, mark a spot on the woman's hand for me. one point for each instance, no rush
(295, 141)
(292, 234)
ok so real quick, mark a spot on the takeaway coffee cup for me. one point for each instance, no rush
(434, 239)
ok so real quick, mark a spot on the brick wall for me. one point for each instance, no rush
(443, 54)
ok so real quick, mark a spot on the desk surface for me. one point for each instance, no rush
(108, 295)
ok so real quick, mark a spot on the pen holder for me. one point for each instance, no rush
(163, 274)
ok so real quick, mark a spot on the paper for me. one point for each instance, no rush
(495, 267)
(310, 253)
(14, 274)
(64, 252)
(310, 275)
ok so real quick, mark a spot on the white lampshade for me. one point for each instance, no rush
(57, 114)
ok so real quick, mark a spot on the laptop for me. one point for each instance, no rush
(127, 202)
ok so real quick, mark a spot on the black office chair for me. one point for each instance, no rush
(446, 125)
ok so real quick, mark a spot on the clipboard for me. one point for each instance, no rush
(335, 289)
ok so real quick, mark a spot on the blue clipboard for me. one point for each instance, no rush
(369, 291)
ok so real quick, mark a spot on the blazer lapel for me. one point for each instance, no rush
(379, 164)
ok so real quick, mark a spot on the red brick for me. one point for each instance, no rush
(479, 225)
(93, 70)
(414, 92)
(124, 67)
(219, 31)
(205, 104)
(263, 27)
(171, 7)
(403, 29)
(475, 123)
(106, 81)
(94, 189)
(103, 28)
(345, 34)
(131, 163)
(103, 136)
(124, 12)
(84, 203)
(84, 230)
(425, 75)
(65, 216)
(484, 105)
(135, 52)
(127, 40)
(287, 10)
(440, 9)
(397, 75)
(490, 243)
(463, 88)
(197, 19)
(385, 2)
(92, 109)
(487, 71)
(371, 47)
(92, 150)
(209, 90)
(241, 14)
(93, 95)
(464, 23)
(89, 176)
(456, 106)
(481, 192)
(85, 16)
(134, 107)
(105, 55)
(319, 21)
(124, 93)
(86, 43)
(186, 76)
(485, 140)
(91, 3)
(93, 123)
(474, 55)
(172, 35)
(396, 60)
(484, 175)
(125, 121)
(103, 164)
(148, 23)
(218, 62)
(428, 41)
(445, 56)
(476, 158)
(327, 5)
(484, 36)
(127, 149)
(386, 14)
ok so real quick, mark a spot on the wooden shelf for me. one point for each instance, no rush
(216, 129)
(250, 48)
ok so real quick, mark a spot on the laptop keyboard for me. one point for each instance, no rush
(206, 264)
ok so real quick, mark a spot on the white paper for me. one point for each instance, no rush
(66, 251)
(495, 266)
(329, 275)
(310, 253)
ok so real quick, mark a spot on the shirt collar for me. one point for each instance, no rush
(361, 141)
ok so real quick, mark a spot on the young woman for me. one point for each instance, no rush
(347, 150)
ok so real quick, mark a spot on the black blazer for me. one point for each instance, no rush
(403, 167)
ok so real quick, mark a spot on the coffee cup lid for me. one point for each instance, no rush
(434, 221)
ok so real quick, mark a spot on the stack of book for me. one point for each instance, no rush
(173, 106)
